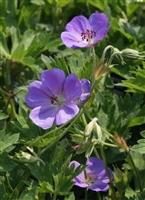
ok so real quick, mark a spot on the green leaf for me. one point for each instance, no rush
(52, 43)
(97, 3)
(63, 3)
(70, 197)
(3, 193)
(135, 85)
(50, 140)
(3, 46)
(46, 187)
(129, 192)
(28, 194)
(6, 164)
(46, 61)
(18, 53)
(139, 161)
(3, 8)
(7, 141)
(14, 195)
(143, 134)
(3, 116)
(140, 148)
(38, 2)
(137, 121)
(28, 61)
(15, 37)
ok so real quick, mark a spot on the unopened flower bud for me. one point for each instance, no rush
(98, 131)
(120, 142)
(101, 69)
(132, 54)
(26, 157)
(89, 128)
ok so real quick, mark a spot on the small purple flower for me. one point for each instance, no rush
(94, 177)
(52, 99)
(81, 32)
(86, 90)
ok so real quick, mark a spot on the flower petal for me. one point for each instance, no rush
(72, 40)
(79, 180)
(99, 186)
(72, 88)
(86, 89)
(98, 21)
(100, 35)
(95, 165)
(78, 25)
(53, 79)
(79, 183)
(43, 116)
(76, 164)
(103, 176)
(37, 95)
(86, 86)
(66, 112)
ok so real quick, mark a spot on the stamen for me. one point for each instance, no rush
(87, 36)
(53, 99)
(90, 176)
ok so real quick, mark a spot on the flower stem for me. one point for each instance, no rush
(94, 65)
(54, 197)
(106, 49)
(66, 130)
(88, 7)
(108, 144)
(6, 74)
(84, 120)
(107, 171)
(98, 196)
(110, 135)
(96, 152)
(135, 171)
(86, 193)
(112, 57)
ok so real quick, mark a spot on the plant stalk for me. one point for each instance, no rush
(107, 171)
(135, 171)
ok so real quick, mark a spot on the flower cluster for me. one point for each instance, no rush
(82, 32)
(94, 177)
(55, 98)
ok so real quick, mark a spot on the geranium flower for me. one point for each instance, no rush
(86, 89)
(94, 177)
(52, 99)
(82, 32)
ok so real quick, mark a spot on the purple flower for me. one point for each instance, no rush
(81, 32)
(94, 177)
(52, 99)
(86, 90)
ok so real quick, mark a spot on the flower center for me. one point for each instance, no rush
(57, 100)
(87, 36)
(54, 99)
(89, 178)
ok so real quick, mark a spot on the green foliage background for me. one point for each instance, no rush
(29, 43)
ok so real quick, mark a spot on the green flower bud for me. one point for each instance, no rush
(27, 157)
(132, 54)
(89, 128)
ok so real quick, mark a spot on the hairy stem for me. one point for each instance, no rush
(107, 171)
(135, 171)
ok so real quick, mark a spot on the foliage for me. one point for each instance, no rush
(34, 163)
